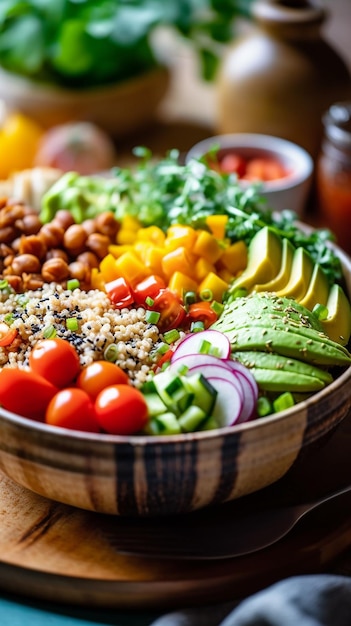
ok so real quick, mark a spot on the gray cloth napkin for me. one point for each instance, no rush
(315, 600)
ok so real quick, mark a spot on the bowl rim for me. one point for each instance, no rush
(279, 146)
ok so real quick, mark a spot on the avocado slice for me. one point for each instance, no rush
(318, 289)
(282, 278)
(338, 323)
(300, 277)
(264, 260)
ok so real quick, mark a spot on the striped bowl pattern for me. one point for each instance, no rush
(149, 476)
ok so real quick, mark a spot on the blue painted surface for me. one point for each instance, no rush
(16, 611)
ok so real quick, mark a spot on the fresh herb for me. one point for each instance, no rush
(90, 42)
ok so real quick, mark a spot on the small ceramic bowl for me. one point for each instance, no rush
(289, 192)
(117, 109)
(150, 476)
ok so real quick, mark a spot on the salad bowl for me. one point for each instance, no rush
(144, 475)
(162, 475)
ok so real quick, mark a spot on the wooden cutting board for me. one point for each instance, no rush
(58, 553)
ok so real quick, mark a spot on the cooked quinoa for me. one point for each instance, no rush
(99, 325)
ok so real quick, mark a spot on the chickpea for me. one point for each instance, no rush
(15, 282)
(30, 224)
(89, 226)
(8, 234)
(15, 245)
(89, 259)
(98, 244)
(32, 281)
(5, 250)
(9, 214)
(25, 263)
(74, 238)
(55, 270)
(52, 235)
(78, 270)
(106, 224)
(55, 253)
(33, 244)
(8, 260)
(63, 218)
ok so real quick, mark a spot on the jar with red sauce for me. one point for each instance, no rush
(333, 173)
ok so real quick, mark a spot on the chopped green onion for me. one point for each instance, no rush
(72, 323)
(22, 299)
(320, 311)
(170, 336)
(205, 347)
(183, 370)
(5, 286)
(206, 295)
(9, 319)
(264, 406)
(49, 332)
(162, 348)
(111, 353)
(217, 307)
(152, 317)
(284, 401)
(214, 351)
(149, 301)
(73, 283)
(189, 297)
(196, 327)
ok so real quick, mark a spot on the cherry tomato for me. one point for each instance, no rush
(172, 312)
(264, 169)
(25, 393)
(56, 360)
(7, 334)
(72, 408)
(233, 163)
(202, 312)
(150, 287)
(121, 410)
(119, 292)
(95, 377)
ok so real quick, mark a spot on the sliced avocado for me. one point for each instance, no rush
(318, 290)
(283, 276)
(300, 276)
(264, 260)
(338, 323)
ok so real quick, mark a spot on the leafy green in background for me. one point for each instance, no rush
(91, 42)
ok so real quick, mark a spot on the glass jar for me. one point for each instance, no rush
(280, 76)
(333, 173)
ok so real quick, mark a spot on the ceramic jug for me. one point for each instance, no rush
(281, 75)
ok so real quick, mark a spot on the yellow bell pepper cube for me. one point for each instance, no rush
(153, 234)
(202, 268)
(234, 257)
(178, 260)
(108, 268)
(126, 236)
(118, 250)
(181, 283)
(215, 285)
(217, 225)
(96, 279)
(226, 275)
(131, 268)
(207, 246)
(153, 260)
(180, 235)
(141, 249)
(130, 222)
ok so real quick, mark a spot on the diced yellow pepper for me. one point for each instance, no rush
(130, 222)
(117, 250)
(153, 260)
(226, 275)
(125, 236)
(207, 246)
(131, 268)
(214, 284)
(178, 260)
(202, 268)
(217, 225)
(181, 284)
(234, 257)
(180, 235)
(153, 234)
(141, 249)
(108, 268)
(96, 279)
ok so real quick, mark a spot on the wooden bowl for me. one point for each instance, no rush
(149, 476)
(117, 109)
